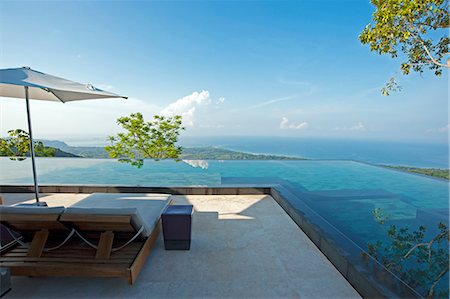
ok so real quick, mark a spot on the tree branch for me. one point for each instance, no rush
(428, 244)
(431, 291)
(410, 26)
(431, 56)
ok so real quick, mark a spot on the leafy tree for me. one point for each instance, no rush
(146, 140)
(421, 264)
(418, 28)
(17, 146)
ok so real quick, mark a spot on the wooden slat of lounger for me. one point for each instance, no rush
(67, 269)
(103, 226)
(7, 258)
(29, 217)
(105, 245)
(125, 261)
(34, 226)
(38, 243)
(32, 221)
(81, 245)
(141, 258)
(95, 218)
(130, 249)
(72, 253)
(114, 223)
(81, 249)
(135, 245)
(94, 268)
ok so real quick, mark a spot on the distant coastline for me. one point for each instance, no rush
(217, 153)
(189, 153)
(433, 172)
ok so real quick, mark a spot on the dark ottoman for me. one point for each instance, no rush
(176, 223)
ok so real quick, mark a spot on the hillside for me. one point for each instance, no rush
(434, 172)
(80, 151)
(194, 153)
(214, 153)
(61, 153)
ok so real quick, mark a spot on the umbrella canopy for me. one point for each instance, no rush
(26, 83)
(47, 87)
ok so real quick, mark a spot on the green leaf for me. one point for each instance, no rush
(146, 140)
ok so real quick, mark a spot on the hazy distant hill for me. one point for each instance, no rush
(81, 151)
(214, 153)
(193, 153)
(61, 153)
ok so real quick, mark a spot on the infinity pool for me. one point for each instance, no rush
(345, 193)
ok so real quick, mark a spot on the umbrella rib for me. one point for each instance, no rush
(51, 91)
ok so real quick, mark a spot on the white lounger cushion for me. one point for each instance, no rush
(144, 209)
(30, 210)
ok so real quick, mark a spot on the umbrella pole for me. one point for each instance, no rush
(33, 162)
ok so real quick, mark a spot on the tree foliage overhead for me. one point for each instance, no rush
(417, 28)
(146, 139)
(17, 146)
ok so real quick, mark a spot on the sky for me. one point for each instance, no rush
(230, 68)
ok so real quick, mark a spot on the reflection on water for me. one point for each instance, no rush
(12, 171)
(203, 164)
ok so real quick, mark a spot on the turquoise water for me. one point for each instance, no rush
(344, 193)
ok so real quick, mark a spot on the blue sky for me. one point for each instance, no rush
(263, 68)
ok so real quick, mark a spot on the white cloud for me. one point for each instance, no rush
(443, 129)
(186, 106)
(285, 124)
(358, 127)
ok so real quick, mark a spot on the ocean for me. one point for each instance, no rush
(379, 152)
(413, 154)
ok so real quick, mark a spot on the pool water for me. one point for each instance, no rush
(345, 193)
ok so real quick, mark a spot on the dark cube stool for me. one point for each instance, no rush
(177, 223)
(5, 282)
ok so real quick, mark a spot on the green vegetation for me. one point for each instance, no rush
(146, 140)
(434, 172)
(194, 153)
(416, 28)
(17, 146)
(420, 263)
(77, 151)
(214, 153)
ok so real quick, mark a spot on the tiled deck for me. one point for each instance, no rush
(242, 246)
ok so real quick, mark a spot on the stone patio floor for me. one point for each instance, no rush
(242, 246)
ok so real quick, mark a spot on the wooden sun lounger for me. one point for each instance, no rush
(34, 226)
(76, 257)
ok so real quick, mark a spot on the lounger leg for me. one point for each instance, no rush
(38, 243)
(105, 245)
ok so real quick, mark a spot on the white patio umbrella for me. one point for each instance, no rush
(30, 84)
